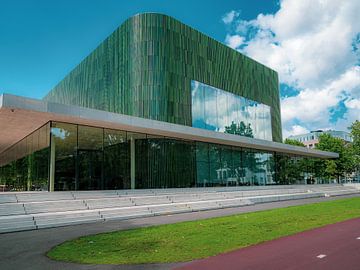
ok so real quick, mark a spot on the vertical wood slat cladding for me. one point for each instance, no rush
(145, 67)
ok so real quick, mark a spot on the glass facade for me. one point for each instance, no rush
(219, 165)
(93, 158)
(219, 110)
(25, 165)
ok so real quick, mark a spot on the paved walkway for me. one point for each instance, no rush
(26, 250)
(332, 247)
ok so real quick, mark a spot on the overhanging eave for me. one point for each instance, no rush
(20, 116)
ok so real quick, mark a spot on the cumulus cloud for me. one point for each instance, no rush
(353, 103)
(234, 41)
(296, 130)
(314, 46)
(230, 16)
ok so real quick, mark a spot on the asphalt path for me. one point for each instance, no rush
(333, 247)
(27, 250)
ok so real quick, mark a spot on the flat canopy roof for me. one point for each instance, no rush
(20, 116)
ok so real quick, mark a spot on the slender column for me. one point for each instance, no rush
(30, 163)
(132, 162)
(52, 164)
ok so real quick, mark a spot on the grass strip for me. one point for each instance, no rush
(187, 241)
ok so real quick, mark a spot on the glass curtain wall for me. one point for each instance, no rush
(164, 163)
(219, 110)
(89, 158)
(92, 158)
(25, 165)
(220, 165)
(116, 165)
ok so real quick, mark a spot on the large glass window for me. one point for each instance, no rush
(91, 158)
(116, 160)
(25, 165)
(64, 137)
(218, 110)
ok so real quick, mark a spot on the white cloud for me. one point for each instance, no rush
(312, 44)
(353, 103)
(230, 16)
(296, 130)
(234, 41)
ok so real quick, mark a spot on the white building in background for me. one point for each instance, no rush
(310, 140)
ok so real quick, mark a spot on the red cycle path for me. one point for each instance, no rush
(339, 242)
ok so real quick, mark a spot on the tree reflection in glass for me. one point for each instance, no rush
(217, 110)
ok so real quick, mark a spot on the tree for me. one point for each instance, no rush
(355, 133)
(330, 169)
(289, 169)
(240, 129)
(340, 166)
(294, 142)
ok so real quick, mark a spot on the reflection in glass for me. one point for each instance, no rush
(218, 110)
(90, 158)
(116, 160)
(24, 166)
(89, 170)
(64, 137)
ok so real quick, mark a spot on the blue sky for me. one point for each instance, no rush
(42, 41)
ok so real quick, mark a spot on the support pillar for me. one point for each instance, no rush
(132, 162)
(52, 164)
(30, 163)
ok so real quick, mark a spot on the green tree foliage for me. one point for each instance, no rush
(253, 163)
(336, 168)
(355, 133)
(294, 142)
(240, 129)
(288, 168)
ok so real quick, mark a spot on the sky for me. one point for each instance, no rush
(314, 45)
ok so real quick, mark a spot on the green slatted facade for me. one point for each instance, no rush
(145, 69)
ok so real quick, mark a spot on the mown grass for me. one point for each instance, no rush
(199, 239)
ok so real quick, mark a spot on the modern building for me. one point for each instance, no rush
(310, 140)
(156, 105)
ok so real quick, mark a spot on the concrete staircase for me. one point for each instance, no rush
(35, 210)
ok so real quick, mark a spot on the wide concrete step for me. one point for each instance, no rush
(275, 198)
(125, 213)
(202, 206)
(7, 209)
(7, 198)
(184, 198)
(330, 188)
(234, 203)
(67, 222)
(340, 192)
(211, 196)
(66, 218)
(109, 203)
(43, 209)
(136, 192)
(54, 206)
(16, 223)
(81, 195)
(169, 209)
(43, 196)
(150, 200)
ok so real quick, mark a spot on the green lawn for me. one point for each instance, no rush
(199, 239)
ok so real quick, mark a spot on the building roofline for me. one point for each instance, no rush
(42, 111)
